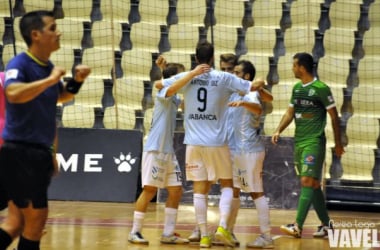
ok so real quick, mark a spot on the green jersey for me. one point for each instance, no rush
(310, 102)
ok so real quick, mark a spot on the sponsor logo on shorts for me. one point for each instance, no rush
(154, 172)
(309, 160)
(189, 167)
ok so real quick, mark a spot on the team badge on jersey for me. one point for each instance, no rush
(11, 74)
(311, 92)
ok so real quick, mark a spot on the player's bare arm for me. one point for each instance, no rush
(161, 62)
(286, 119)
(259, 85)
(339, 149)
(158, 84)
(25, 92)
(200, 69)
(81, 72)
(265, 95)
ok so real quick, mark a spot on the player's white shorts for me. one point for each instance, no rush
(160, 170)
(208, 163)
(247, 171)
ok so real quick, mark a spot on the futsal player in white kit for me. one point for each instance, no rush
(248, 152)
(160, 168)
(208, 159)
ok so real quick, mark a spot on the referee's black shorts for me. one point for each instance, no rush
(3, 198)
(25, 173)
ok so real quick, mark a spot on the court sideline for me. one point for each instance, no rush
(104, 226)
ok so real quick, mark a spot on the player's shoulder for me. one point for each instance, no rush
(320, 84)
(19, 59)
(297, 85)
(217, 74)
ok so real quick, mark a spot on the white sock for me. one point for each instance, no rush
(170, 220)
(200, 208)
(235, 206)
(225, 205)
(262, 208)
(138, 219)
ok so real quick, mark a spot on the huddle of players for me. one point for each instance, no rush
(223, 144)
(209, 159)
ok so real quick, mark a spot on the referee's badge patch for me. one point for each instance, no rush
(11, 74)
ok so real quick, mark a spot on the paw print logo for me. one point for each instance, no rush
(124, 162)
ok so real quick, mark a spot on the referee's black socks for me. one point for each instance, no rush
(5, 239)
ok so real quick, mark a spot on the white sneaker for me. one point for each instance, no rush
(292, 229)
(261, 242)
(195, 236)
(137, 238)
(322, 231)
(173, 239)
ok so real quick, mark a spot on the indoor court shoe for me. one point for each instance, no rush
(205, 242)
(224, 235)
(292, 230)
(137, 238)
(173, 239)
(195, 236)
(262, 242)
(216, 242)
(322, 231)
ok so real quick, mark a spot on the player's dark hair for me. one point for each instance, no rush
(204, 52)
(172, 69)
(306, 60)
(32, 21)
(248, 68)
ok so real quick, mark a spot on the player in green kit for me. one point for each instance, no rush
(311, 100)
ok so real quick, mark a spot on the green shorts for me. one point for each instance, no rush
(309, 159)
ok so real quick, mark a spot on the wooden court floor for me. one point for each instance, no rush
(105, 226)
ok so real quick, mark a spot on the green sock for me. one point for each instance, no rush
(319, 205)
(304, 203)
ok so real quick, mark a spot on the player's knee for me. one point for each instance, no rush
(236, 192)
(307, 181)
(175, 191)
(201, 187)
(256, 195)
(226, 183)
(150, 189)
(316, 184)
